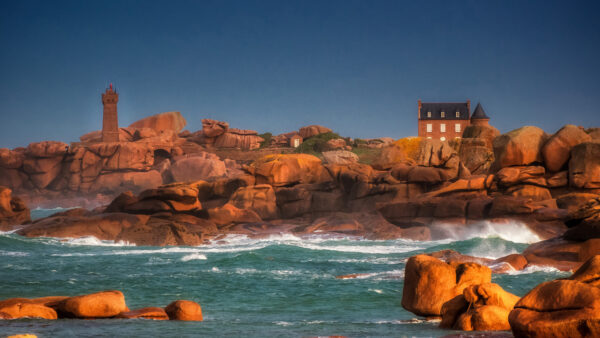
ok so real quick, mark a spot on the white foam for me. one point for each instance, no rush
(91, 241)
(513, 231)
(194, 256)
(376, 291)
(13, 253)
(538, 268)
(370, 249)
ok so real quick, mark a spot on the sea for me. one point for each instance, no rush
(280, 286)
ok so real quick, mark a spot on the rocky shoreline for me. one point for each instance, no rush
(165, 187)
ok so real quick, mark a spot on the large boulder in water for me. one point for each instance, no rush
(584, 166)
(429, 283)
(104, 304)
(13, 210)
(557, 149)
(483, 307)
(161, 122)
(521, 146)
(561, 308)
(26, 309)
(184, 310)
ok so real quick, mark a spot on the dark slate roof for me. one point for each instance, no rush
(450, 108)
(479, 114)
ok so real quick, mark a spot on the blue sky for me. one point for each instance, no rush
(358, 67)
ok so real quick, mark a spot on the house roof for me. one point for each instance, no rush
(450, 109)
(479, 114)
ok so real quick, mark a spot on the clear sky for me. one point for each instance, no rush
(358, 67)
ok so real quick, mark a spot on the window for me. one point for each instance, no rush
(442, 138)
(457, 127)
(443, 114)
(457, 114)
(443, 127)
(428, 114)
(429, 128)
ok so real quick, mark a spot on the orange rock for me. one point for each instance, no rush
(259, 198)
(516, 261)
(483, 307)
(228, 214)
(519, 147)
(184, 310)
(199, 166)
(584, 166)
(484, 318)
(214, 128)
(313, 130)
(288, 169)
(561, 308)
(102, 304)
(155, 313)
(161, 122)
(557, 149)
(429, 283)
(27, 310)
(589, 249)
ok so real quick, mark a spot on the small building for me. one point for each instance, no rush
(295, 140)
(479, 117)
(443, 120)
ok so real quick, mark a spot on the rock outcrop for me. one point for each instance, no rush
(313, 130)
(557, 149)
(521, 146)
(104, 304)
(172, 121)
(13, 210)
(184, 310)
(483, 307)
(561, 308)
(429, 283)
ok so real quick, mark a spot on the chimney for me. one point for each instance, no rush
(469, 108)
(419, 103)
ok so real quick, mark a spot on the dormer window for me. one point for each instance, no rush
(428, 114)
(457, 114)
(443, 114)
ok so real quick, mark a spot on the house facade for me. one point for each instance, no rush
(443, 120)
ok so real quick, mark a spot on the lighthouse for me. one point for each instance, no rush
(110, 120)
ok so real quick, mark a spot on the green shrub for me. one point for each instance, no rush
(267, 140)
(316, 144)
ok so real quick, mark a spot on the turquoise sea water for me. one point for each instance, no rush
(280, 286)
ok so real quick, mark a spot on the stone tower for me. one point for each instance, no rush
(110, 120)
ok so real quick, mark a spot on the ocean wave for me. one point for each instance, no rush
(13, 253)
(512, 231)
(92, 241)
(194, 256)
(366, 249)
(538, 268)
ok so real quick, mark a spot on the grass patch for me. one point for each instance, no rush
(367, 155)
(315, 145)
